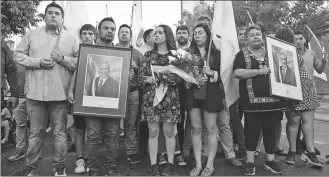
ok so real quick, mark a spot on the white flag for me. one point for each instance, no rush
(224, 26)
(137, 40)
(76, 15)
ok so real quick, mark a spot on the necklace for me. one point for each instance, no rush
(259, 57)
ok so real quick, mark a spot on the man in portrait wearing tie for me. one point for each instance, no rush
(105, 85)
(287, 75)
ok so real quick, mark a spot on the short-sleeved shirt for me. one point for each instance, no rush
(255, 92)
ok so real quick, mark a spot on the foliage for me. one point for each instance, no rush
(269, 15)
(16, 16)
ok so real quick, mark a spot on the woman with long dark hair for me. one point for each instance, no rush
(167, 111)
(204, 100)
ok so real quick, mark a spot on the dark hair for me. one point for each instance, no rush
(249, 28)
(125, 25)
(105, 19)
(183, 28)
(170, 39)
(204, 17)
(146, 34)
(88, 27)
(285, 34)
(301, 32)
(194, 47)
(53, 4)
(241, 28)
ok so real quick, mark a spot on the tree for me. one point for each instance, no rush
(189, 18)
(19, 15)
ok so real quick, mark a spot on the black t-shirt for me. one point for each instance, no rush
(255, 91)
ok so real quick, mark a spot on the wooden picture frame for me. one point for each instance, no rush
(285, 80)
(102, 85)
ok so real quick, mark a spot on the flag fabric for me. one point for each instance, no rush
(321, 80)
(137, 40)
(224, 25)
(76, 15)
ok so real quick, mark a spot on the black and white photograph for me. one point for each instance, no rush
(285, 78)
(164, 88)
(104, 88)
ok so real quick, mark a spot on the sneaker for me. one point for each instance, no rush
(167, 170)
(48, 129)
(162, 159)
(273, 166)
(113, 171)
(249, 169)
(134, 158)
(154, 170)
(290, 159)
(31, 172)
(208, 172)
(196, 171)
(235, 162)
(311, 158)
(59, 170)
(81, 168)
(317, 152)
(4, 141)
(257, 153)
(241, 154)
(281, 152)
(19, 154)
(299, 151)
(180, 160)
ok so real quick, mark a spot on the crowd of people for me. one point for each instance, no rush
(190, 119)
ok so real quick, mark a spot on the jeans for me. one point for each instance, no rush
(236, 124)
(131, 141)
(21, 121)
(102, 130)
(39, 112)
(225, 133)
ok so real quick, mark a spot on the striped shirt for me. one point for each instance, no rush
(43, 84)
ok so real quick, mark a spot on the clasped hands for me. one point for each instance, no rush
(48, 63)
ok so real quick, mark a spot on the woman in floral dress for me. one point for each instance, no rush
(167, 111)
(302, 110)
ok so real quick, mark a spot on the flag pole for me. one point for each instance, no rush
(181, 10)
(245, 7)
(316, 39)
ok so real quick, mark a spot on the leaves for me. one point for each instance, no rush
(17, 15)
(269, 15)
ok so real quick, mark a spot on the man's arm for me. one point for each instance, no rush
(318, 64)
(71, 62)
(21, 54)
(10, 69)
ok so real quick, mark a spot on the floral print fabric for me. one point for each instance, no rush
(168, 110)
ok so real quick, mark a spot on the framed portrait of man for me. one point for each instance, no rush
(285, 78)
(102, 81)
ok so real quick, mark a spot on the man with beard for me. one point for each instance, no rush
(182, 37)
(131, 140)
(103, 129)
(49, 56)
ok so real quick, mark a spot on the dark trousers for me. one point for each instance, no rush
(257, 121)
(143, 136)
(102, 131)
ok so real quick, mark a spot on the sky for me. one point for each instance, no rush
(154, 12)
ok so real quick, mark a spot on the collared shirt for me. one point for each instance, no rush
(43, 84)
(8, 70)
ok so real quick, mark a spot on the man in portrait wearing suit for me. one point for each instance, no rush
(287, 75)
(105, 85)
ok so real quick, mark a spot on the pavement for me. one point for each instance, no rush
(223, 168)
(322, 113)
